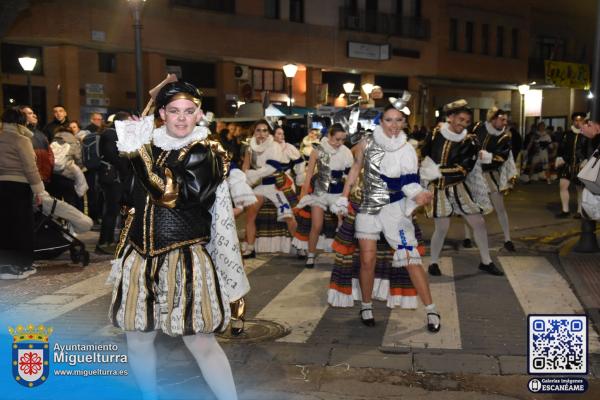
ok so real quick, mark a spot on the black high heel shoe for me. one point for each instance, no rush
(370, 322)
(431, 327)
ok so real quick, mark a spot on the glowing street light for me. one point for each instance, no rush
(349, 87)
(290, 71)
(28, 64)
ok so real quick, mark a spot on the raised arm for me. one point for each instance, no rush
(359, 153)
(310, 170)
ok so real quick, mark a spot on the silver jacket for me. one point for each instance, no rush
(375, 191)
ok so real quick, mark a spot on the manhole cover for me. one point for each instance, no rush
(256, 330)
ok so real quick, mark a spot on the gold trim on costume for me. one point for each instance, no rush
(154, 179)
(186, 96)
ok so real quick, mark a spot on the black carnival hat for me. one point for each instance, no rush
(177, 90)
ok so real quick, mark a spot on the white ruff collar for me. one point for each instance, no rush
(575, 130)
(259, 148)
(162, 139)
(327, 147)
(451, 136)
(493, 131)
(389, 143)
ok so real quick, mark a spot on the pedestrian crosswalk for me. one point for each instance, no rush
(404, 327)
(535, 283)
(478, 310)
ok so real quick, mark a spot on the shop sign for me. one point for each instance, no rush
(566, 74)
(368, 51)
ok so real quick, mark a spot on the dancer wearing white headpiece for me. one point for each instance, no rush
(391, 192)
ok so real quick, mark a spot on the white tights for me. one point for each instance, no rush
(206, 351)
(497, 199)
(564, 195)
(475, 221)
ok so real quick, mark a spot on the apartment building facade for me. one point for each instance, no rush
(234, 50)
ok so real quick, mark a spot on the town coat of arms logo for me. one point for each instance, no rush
(30, 354)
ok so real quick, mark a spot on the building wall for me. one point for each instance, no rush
(64, 28)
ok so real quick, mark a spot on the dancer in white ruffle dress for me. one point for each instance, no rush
(391, 192)
(330, 161)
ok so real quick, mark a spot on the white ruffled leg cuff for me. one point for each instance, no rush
(404, 257)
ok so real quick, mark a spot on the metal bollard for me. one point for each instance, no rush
(587, 241)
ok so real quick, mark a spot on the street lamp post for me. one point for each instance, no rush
(523, 89)
(136, 11)
(28, 64)
(290, 71)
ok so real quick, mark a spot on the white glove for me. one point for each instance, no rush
(340, 206)
(429, 170)
(485, 157)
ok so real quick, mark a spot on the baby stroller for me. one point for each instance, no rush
(52, 235)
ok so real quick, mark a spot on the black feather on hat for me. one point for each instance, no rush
(174, 91)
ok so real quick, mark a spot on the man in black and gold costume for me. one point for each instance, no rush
(179, 265)
(497, 164)
(572, 150)
(449, 166)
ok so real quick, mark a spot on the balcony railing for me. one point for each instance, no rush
(385, 24)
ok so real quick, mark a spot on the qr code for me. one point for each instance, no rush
(557, 344)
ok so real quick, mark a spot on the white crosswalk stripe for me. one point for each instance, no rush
(47, 307)
(542, 290)
(406, 328)
(300, 305)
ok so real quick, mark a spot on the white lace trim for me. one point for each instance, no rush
(493, 131)
(162, 139)
(259, 148)
(132, 135)
(451, 136)
(386, 142)
(575, 130)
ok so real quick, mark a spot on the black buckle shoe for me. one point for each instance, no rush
(510, 246)
(577, 216)
(310, 262)
(491, 269)
(237, 326)
(563, 214)
(434, 270)
(467, 244)
(252, 254)
(370, 322)
(431, 327)
(301, 254)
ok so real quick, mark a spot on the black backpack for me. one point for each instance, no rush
(91, 151)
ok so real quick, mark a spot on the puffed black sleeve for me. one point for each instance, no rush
(198, 175)
(500, 153)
